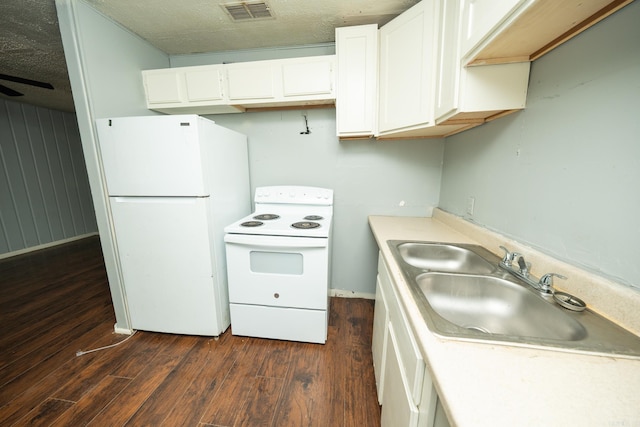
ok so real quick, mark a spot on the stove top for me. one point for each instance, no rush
(285, 225)
(288, 211)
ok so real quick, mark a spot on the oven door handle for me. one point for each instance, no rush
(276, 241)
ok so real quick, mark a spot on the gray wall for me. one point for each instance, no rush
(563, 175)
(368, 178)
(44, 190)
(228, 57)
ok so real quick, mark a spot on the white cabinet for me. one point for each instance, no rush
(187, 90)
(232, 88)
(503, 31)
(481, 17)
(424, 89)
(487, 92)
(398, 407)
(357, 81)
(448, 58)
(407, 69)
(308, 78)
(473, 95)
(405, 388)
(282, 82)
(380, 336)
(252, 81)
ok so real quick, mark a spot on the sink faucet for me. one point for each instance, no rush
(544, 285)
(508, 257)
(546, 282)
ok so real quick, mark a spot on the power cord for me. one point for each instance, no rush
(81, 352)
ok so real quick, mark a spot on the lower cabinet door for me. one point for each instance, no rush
(379, 339)
(398, 409)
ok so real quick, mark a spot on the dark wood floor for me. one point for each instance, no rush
(56, 301)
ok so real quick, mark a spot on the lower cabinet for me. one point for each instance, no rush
(405, 388)
(380, 335)
(398, 407)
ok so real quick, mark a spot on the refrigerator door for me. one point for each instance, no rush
(167, 265)
(152, 156)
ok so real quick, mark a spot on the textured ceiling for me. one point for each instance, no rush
(30, 44)
(30, 47)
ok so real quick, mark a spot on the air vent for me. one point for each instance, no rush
(248, 10)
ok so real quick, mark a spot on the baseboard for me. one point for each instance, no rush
(122, 331)
(45, 245)
(341, 293)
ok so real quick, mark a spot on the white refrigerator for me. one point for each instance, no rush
(174, 182)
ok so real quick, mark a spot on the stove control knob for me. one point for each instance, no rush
(276, 295)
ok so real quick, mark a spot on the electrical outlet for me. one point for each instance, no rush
(471, 203)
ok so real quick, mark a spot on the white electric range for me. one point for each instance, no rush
(278, 265)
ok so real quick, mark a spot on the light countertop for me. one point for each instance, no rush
(484, 384)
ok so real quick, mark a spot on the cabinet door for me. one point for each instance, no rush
(253, 80)
(302, 78)
(162, 86)
(448, 74)
(428, 403)
(480, 18)
(407, 68)
(379, 339)
(357, 57)
(398, 408)
(413, 366)
(204, 84)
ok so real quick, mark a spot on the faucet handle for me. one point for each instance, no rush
(524, 266)
(546, 281)
(508, 256)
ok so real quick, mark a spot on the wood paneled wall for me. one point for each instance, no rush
(44, 190)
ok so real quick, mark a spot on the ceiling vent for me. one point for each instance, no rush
(248, 10)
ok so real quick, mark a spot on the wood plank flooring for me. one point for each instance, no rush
(56, 301)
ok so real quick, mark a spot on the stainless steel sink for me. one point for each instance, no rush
(462, 295)
(444, 257)
(496, 306)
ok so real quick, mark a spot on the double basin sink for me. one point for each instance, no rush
(462, 293)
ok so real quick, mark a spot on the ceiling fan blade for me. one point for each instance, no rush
(9, 92)
(25, 81)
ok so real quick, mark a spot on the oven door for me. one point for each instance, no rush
(278, 271)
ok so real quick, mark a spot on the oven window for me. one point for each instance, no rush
(276, 262)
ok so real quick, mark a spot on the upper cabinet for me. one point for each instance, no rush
(357, 81)
(501, 31)
(407, 69)
(441, 67)
(282, 82)
(473, 95)
(425, 91)
(229, 88)
(481, 17)
(187, 90)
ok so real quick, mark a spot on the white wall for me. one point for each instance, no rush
(563, 175)
(368, 178)
(44, 189)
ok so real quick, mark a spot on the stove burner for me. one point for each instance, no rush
(313, 218)
(305, 225)
(252, 224)
(266, 217)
